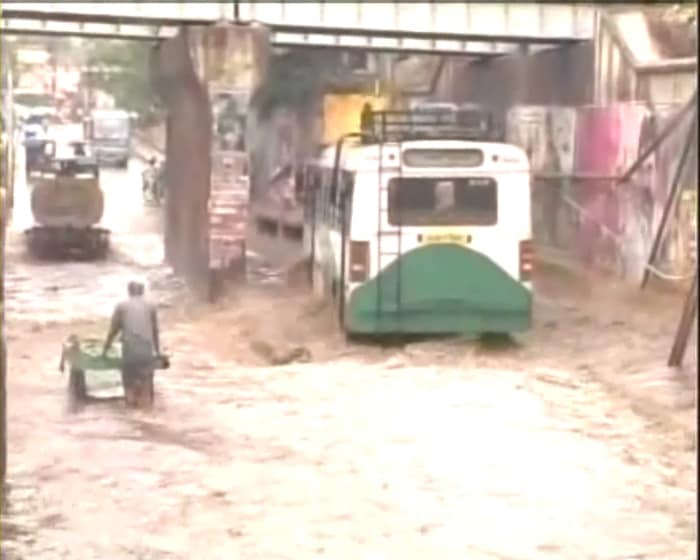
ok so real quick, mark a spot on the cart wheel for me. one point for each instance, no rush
(77, 390)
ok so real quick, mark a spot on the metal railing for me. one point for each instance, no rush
(401, 126)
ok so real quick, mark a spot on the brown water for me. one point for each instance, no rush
(575, 443)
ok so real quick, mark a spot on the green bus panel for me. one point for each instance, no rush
(444, 289)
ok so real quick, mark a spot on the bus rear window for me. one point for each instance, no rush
(419, 201)
(443, 158)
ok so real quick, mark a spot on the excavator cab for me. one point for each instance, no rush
(73, 159)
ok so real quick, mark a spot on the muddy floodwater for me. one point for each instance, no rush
(274, 438)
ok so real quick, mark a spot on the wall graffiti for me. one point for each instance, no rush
(547, 134)
(638, 205)
(232, 60)
(615, 223)
(607, 143)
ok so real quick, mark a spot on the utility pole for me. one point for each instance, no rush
(685, 326)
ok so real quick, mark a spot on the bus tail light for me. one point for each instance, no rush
(527, 260)
(359, 261)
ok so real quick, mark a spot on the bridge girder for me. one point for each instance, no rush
(479, 30)
(279, 39)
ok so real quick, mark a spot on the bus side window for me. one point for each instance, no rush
(325, 191)
(299, 185)
(309, 188)
(342, 187)
(315, 191)
(345, 197)
(320, 198)
(310, 183)
(333, 197)
(336, 194)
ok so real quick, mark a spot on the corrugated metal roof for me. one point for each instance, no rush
(674, 35)
(655, 34)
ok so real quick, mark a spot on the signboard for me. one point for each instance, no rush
(228, 197)
(231, 56)
(231, 60)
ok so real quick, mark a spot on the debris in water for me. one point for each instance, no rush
(275, 357)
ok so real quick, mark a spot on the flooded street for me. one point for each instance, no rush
(575, 443)
(48, 291)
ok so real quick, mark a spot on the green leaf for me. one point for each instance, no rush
(294, 79)
(122, 70)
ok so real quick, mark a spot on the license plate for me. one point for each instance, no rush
(457, 238)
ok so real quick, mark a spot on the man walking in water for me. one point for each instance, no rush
(137, 321)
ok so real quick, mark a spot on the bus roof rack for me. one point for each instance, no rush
(397, 126)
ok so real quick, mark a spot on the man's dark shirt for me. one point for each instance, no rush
(137, 321)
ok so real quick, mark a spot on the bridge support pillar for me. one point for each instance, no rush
(206, 76)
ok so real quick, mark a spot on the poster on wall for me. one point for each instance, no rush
(232, 61)
(229, 118)
(609, 141)
(547, 134)
(615, 223)
(229, 184)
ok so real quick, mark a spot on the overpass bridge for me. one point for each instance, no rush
(206, 75)
(472, 29)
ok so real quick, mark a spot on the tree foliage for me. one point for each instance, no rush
(121, 69)
(294, 80)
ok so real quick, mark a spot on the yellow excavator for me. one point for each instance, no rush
(67, 204)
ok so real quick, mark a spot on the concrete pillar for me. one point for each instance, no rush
(206, 77)
(520, 93)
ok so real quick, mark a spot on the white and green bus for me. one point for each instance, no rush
(412, 235)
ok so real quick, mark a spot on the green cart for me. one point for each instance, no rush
(92, 375)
